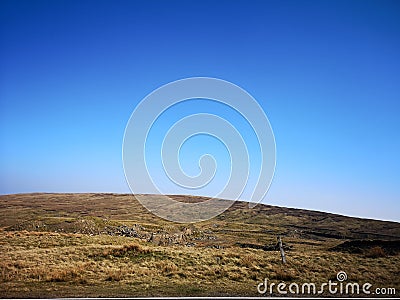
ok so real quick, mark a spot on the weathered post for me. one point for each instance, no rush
(151, 239)
(281, 249)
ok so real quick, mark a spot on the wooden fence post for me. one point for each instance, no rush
(281, 249)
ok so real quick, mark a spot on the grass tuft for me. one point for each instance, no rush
(132, 249)
(116, 274)
(74, 274)
(375, 252)
(284, 275)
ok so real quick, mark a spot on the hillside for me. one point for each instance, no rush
(69, 245)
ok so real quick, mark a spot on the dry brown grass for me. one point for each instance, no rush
(116, 274)
(125, 250)
(69, 274)
(248, 260)
(170, 270)
(375, 252)
(282, 274)
(44, 263)
(7, 272)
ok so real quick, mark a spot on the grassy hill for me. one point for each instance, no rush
(108, 245)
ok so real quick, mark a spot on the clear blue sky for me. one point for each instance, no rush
(327, 74)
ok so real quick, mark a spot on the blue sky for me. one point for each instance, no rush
(327, 74)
